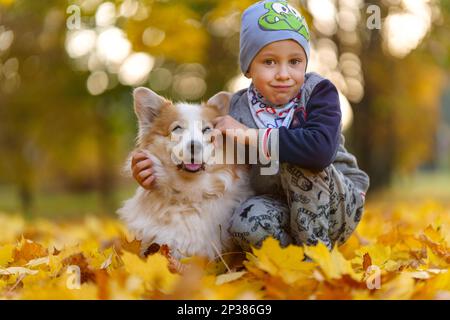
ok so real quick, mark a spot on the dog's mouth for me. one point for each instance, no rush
(191, 167)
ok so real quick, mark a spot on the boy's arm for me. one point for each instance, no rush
(314, 145)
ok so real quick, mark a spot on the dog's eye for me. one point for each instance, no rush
(176, 128)
(207, 129)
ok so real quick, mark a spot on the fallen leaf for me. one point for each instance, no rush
(367, 261)
(154, 271)
(229, 277)
(28, 250)
(286, 263)
(333, 264)
(6, 254)
(17, 270)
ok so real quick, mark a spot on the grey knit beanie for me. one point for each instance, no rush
(268, 21)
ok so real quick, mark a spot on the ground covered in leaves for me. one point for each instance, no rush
(399, 252)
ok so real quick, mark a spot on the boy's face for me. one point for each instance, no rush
(278, 71)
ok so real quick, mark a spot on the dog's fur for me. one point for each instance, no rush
(187, 210)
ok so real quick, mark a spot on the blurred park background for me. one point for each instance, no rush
(67, 69)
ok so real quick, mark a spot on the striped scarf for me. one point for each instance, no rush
(267, 115)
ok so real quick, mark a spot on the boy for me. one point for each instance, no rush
(319, 192)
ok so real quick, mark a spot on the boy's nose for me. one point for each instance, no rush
(282, 73)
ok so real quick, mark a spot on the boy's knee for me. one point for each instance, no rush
(304, 179)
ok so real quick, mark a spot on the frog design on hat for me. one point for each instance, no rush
(282, 16)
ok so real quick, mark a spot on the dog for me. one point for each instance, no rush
(191, 204)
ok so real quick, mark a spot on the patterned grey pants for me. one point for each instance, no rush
(323, 206)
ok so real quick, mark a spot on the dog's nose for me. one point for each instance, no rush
(196, 147)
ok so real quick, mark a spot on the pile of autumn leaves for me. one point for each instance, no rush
(400, 252)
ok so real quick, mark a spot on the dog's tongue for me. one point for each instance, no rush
(192, 166)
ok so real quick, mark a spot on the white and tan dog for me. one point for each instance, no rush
(190, 207)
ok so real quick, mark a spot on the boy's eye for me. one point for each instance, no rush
(269, 62)
(296, 61)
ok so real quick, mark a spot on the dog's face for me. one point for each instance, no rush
(180, 135)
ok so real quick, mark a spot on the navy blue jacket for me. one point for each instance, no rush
(312, 140)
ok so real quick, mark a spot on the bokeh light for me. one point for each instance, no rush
(80, 43)
(160, 79)
(105, 15)
(112, 46)
(404, 31)
(347, 112)
(238, 82)
(324, 13)
(97, 82)
(153, 37)
(135, 69)
(6, 38)
(128, 8)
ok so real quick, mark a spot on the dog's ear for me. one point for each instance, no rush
(146, 106)
(222, 101)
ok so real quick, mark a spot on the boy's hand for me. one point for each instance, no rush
(227, 122)
(141, 166)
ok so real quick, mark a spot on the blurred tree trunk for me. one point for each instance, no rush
(26, 198)
(372, 133)
(219, 60)
(17, 159)
(107, 147)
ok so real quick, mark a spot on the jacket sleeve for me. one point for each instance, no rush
(314, 145)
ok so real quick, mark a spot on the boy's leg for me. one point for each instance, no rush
(258, 218)
(347, 206)
(308, 197)
(323, 206)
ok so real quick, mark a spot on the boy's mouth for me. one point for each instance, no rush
(281, 88)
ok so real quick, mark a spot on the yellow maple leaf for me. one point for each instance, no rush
(12, 227)
(154, 271)
(6, 254)
(239, 289)
(333, 264)
(133, 246)
(413, 262)
(430, 289)
(57, 289)
(286, 263)
(435, 261)
(28, 250)
(3, 284)
(435, 234)
(400, 288)
(348, 249)
(378, 253)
